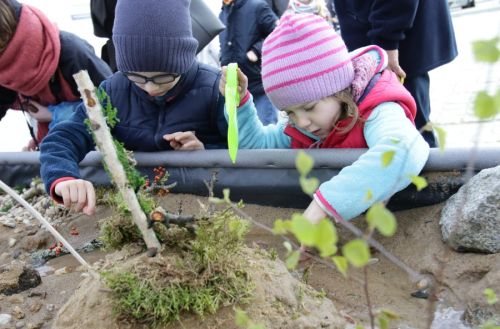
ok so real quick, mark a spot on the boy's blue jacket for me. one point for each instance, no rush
(194, 104)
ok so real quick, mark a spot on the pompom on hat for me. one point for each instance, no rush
(153, 36)
(304, 60)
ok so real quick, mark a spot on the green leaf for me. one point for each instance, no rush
(292, 260)
(304, 163)
(387, 158)
(441, 134)
(484, 106)
(241, 318)
(359, 326)
(216, 200)
(256, 326)
(383, 321)
(490, 324)
(303, 230)
(382, 219)
(232, 99)
(491, 296)
(497, 101)
(281, 226)
(486, 50)
(369, 195)
(225, 193)
(341, 263)
(356, 252)
(419, 182)
(390, 314)
(309, 185)
(326, 238)
(288, 246)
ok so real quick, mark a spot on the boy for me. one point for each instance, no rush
(165, 99)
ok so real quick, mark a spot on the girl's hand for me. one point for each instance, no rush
(77, 194)
(242, 82)
(314, 213)
(184, 141)
(37, 111)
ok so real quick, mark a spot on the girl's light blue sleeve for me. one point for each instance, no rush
(386, 130)
(253, 135)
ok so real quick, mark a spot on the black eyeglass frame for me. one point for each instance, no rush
(137, 78)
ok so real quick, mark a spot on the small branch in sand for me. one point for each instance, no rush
(105, 144)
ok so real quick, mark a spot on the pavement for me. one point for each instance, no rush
(454, 86)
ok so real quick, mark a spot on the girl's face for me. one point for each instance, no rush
(161, 82)
(318, 118)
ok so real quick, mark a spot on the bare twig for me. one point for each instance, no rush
(368, 302)
(105, 145)
(48, 226)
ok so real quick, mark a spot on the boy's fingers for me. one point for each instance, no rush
(90, 207)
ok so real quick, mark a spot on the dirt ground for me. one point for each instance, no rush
(462, 276)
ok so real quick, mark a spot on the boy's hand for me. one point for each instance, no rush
(242, 82)
(77, 194)
(184, 141)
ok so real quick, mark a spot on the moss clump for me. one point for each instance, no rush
(200, 276)
(117, 231)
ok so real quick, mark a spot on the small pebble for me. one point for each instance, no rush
(5, 319)
(12, 242)
(18, 312)
(50, 307)
(20, 324)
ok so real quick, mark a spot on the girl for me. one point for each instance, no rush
(335, 99)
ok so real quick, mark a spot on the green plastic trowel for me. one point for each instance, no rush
(232, 102)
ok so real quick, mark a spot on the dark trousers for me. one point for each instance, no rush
(419, 87)
(265, 110)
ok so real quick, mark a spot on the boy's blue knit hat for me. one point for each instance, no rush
(153, 36)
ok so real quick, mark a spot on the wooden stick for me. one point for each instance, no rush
(104, 143)
(48, 226)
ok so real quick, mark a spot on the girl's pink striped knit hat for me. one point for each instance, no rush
(304, 60)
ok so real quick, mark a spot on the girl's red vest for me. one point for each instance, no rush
(386, 89)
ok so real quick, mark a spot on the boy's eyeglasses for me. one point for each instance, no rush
(159, 79)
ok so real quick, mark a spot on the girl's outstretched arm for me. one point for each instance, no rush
(386, 130)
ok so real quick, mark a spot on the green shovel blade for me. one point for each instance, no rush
(232, 102)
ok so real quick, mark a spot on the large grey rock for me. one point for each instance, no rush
(470, 220)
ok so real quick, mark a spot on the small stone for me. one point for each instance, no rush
(61, 271)
(15, 299)
(20, 324)
(18, 277)
(37, 325)
(7, 221)
(12, 242)
(50, 307)
(4, 256)
(5, 319)
(16, 253)
(18, 312)
(35, 307)
(18, 230)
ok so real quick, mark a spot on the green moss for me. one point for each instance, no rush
(116, 231)
(200, 275)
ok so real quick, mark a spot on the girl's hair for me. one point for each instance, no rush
(349, 109)
(8, 23)
(348, 106)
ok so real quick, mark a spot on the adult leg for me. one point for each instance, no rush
(419, 88)
(265, 110)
